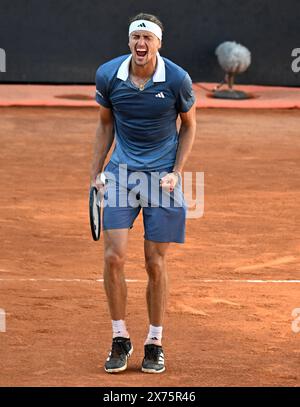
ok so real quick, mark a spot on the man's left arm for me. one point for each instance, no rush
(186, 139)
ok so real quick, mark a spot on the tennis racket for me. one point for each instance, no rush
(96, 198)
(95, 214)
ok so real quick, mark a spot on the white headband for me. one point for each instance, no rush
(146, 25)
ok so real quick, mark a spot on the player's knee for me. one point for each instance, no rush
(114, 260)
(155, 267)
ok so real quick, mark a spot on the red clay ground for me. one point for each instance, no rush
(216, 334)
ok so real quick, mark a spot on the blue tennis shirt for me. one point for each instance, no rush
(145, 120)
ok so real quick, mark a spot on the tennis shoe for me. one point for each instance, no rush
(121, 350)
(153, 361)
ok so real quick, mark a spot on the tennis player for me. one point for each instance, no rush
(140, 97)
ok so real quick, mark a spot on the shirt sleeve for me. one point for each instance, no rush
(102, 93)
(186, 97)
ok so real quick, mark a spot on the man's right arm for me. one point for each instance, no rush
(103, 141)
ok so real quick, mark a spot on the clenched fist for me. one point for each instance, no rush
(169, 181)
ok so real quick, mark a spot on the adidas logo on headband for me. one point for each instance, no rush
(142, 25)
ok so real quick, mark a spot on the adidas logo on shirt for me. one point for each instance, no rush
(142, 25)
(160, 95)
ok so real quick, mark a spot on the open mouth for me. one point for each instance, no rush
(141, 53)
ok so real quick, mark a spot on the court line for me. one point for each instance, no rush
(250, 281)
(100, 280)
(64, 280)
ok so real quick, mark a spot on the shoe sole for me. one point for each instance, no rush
(120, 369)
(152, 370)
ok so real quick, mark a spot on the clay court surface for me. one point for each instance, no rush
(225, 332)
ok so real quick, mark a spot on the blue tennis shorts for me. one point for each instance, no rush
(128, 192)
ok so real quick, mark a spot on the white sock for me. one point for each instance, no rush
(154, 336)
(119, 328)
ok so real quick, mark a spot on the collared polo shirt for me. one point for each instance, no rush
(144, 120)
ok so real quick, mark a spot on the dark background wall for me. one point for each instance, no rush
(63, 41)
